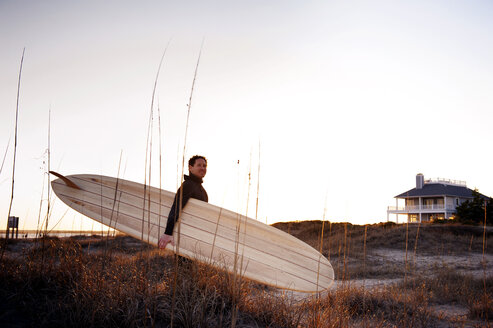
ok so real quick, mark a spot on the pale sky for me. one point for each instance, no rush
(348, 99)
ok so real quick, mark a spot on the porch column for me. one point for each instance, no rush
(396, 209)
(445, 207)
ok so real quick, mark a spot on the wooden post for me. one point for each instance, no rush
(13, 223)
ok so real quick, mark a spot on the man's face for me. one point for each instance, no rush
(199, 168)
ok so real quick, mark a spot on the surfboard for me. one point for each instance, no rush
(204, 232)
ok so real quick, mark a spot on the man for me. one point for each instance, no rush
(191, 188)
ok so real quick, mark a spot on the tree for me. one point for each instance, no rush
(472, 211)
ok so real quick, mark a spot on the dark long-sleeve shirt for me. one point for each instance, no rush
(192, 188)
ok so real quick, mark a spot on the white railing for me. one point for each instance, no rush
(447, 181)
(418, 208)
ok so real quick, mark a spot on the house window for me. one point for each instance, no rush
(428, 201)
(435, 217)
(433, 201)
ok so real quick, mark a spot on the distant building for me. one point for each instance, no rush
(431, 200)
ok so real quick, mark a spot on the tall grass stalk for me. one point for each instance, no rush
(237, 290)
(15, 144)
(235, 263)
(246, 216)
(339, 252)
(46, 218)
(321, 239)
(189, 106)
(15, 153)
(154, 312)
(180, 205)
(58, 222)
(329, 242)
(160, 171)
(249, 183)
(149, 144)
(115, 199)
(211, 258)
(238, 275)
(406, 251)
(38, 227)
(416, 245)
(405, 267)
(148, 173)
(146, 167)
(47, 173)
(149, 180)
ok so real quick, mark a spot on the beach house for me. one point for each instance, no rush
(430, 200)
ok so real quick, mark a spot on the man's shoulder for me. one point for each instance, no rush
(189, 184)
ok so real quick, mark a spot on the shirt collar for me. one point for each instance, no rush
(193, 178)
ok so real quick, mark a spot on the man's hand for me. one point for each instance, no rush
(165, 240)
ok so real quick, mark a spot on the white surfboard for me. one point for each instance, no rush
(205, 232)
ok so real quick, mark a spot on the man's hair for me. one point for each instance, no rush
(192, 160)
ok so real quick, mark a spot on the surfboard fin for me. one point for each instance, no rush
(67, 181)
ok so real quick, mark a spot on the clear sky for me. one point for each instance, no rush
(349, 100)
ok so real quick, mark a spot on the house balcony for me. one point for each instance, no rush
(435, 208)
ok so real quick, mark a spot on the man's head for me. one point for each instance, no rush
(197, 165)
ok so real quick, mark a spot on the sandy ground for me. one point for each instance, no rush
(471, 263)
(475, 264)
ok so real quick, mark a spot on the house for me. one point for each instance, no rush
(431, 200)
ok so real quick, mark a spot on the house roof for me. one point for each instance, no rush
(439, 189)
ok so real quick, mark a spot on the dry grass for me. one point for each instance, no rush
(119, 281)
(448, 286)
(449, 238)
(344, 244)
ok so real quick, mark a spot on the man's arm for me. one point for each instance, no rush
(173, 216)
(174, 213)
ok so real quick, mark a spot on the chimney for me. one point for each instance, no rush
(420, 181)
